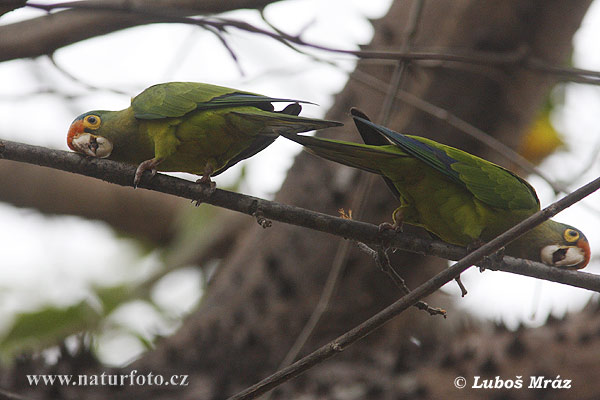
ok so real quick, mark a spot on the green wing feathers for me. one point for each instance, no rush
(487, 181)
(493, 184)
(175, 99)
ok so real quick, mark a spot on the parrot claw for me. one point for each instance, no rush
(211, 187)
(148, 165)
(386, 226)
(397, 217)
(206, 181)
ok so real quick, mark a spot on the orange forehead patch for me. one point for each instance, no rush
(75, 130)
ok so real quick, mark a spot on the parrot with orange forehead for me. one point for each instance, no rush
(458, 197)
(188, 127)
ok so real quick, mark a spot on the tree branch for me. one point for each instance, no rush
(86, 19)
(90, 18)
(10, 5)
(122, 174)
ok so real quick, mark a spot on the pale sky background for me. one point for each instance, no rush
(40, 266)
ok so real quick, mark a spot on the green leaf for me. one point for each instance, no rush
(48, 326)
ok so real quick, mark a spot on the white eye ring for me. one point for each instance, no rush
(562, 256)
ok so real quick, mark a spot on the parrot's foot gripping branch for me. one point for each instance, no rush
(386, 226)
(208, 183)
(148, 165)
(398, 218)
(205, 180)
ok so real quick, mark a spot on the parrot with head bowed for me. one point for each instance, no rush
(188, 127)
(460, 198)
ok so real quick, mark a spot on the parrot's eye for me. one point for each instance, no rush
(571, 235)
(92, 121)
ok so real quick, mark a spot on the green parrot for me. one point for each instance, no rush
(458, 197)
(188, 127)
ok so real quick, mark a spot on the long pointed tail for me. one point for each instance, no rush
(361, 156)
(286, 121)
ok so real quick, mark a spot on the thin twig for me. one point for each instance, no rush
(398, 75)
(219, 34)
(87, 85)
(383, 262)
(461, 286)
(296, 48)
(341, 343)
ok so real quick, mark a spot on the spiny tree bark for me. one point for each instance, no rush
(265, 290)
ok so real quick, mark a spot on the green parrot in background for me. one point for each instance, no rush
(188, 127)
(460, 198)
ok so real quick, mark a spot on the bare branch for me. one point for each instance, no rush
(90, 18)
(383, 262)
(87, 19)
(10, 5)
(81, 82)
(122, 174)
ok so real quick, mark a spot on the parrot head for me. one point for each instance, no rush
(571, 251)
(553, 243)
(84, 137)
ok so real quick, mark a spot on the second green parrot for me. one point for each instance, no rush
(188, 127)
(460, 198)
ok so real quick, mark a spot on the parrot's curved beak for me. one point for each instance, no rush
(567, 257)
(584, 245)
(83, 142)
